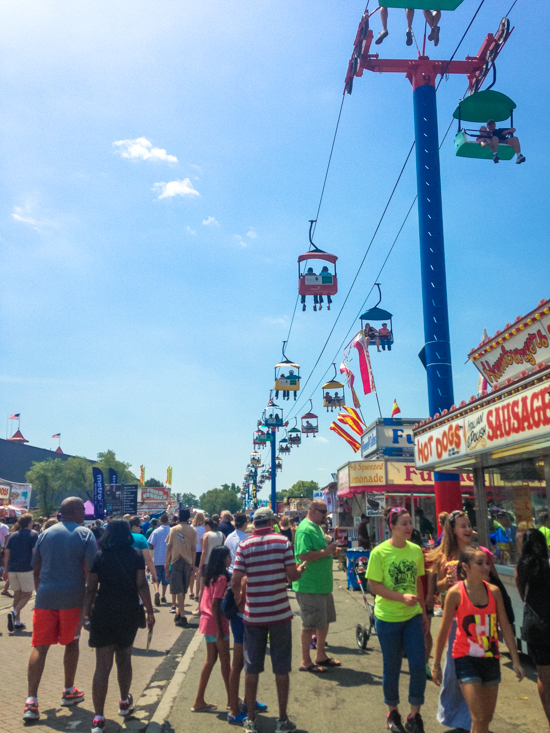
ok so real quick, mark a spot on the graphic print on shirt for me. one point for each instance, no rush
(482, 633)
(403, 575)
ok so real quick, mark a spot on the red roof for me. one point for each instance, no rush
(58, 449)
(17, 437)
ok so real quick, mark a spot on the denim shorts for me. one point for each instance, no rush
(161, 575)
(485, 670)
(214, 639)
(237, 627)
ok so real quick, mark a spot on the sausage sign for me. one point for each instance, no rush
(519, 418)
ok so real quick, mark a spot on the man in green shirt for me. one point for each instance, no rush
(314, 588)
(545, 526)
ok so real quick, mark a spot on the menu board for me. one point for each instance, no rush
(113, 499)
(129, 498)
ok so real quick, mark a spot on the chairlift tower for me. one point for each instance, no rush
(422, 73)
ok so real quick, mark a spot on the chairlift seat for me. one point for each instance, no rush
(466, 147)
(421, 4)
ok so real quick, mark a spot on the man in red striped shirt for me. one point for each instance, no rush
(266, 558)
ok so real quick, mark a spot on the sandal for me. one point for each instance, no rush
(329, 663)
(205, 709)
(312, 668)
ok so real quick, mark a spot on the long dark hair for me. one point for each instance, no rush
(534, 558)
(116, 535)
(216, 564)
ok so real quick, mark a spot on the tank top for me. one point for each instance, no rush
(477, 629)
(214, 540)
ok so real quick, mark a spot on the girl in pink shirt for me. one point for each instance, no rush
(213, 624)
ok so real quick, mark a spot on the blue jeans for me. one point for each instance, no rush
(394, 637)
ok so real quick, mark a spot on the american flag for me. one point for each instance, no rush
(269, 404)
(57, 435)
(15, 416)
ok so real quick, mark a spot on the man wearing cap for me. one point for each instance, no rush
(314, 588)
(493, 136)
(266, 558)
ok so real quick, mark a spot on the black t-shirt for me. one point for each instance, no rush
(539, 593)
(117, 573)
(226, 528)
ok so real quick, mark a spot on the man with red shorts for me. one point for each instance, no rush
(63, 555)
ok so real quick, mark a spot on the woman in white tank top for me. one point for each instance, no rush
(212, 538)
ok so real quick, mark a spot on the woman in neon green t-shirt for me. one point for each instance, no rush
(394, 571)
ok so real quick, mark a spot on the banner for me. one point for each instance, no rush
(350, 378)
(339, 430)
(20, 496)
(169, 476)
(142, 474)
(129, 498)
(99, 493)
(4, 494)
(357, 426)
(360, 344)
(113, 476)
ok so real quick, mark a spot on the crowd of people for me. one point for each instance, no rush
(239, 571)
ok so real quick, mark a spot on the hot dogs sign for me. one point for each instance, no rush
(521, 417)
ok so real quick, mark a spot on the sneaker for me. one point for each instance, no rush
(438, 611)
(496, 159)
(431, 36)
(409, 40)
(19, 627)
(383, 34)
(435, 32)
(177, 618)
(31, 711)
(72, 698)
(157, 599)
(11, 624)
(415, 724)
(173, 609)
(328, 307)
(520, 159)
(163, 600)
(393, 722)
(126, 707)
(191, 597)
(261, 707)
(283, 725)
(236, 719)
(304, 307)
(98, 725)
(182, 622)
(320, 307)
(314, 307)
(250, 725)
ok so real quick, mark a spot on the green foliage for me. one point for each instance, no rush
(303, 489)
(231, 487)
(108, 460)
(189, 500)
(47, 484)
(152, 482)
(216, 500)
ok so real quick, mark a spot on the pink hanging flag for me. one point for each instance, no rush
(360, 344)
(350, 378)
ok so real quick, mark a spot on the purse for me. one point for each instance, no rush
(534, 630)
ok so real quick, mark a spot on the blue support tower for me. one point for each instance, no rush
(273, 471)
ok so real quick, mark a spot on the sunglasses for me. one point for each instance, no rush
(322, 511)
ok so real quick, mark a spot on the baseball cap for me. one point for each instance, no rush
(263, 513)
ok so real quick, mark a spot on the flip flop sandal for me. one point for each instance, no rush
(315, 668)
(206, 709)
(329, 663)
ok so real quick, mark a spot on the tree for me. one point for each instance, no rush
(108, 460)
(303, 489)
(47, 485)
(216, 500)
(190, 500)
(154, 482)
(77, 478)
(231, 487)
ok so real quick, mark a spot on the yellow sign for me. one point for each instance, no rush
(367, 473)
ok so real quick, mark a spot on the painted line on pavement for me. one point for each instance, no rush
(167, 701)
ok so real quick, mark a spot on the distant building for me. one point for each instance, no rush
(16, 458)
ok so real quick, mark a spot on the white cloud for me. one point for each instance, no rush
(175, 188)
(142, 149)
(276, 321)
(210, 222)
(190, 231)
(24, 215)
(321, 439)
(252, 233)
(240, 240)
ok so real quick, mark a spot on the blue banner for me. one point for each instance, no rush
(113, 476)
(99, 494)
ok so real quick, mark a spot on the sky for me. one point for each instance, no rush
(159, 166)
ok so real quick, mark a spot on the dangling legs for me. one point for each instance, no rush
(303, 302)
(409, 13)
(329, 301)
(384, 20)
(432, 19)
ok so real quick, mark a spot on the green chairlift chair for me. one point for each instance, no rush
(421, 4)
(481, 107)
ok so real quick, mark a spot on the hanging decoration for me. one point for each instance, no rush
(350, 379)
(358, 426)
(339, 430)
(360, 344)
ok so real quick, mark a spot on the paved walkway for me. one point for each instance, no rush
(349, 698)
(152, 669)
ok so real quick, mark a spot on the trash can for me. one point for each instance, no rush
(353, 556)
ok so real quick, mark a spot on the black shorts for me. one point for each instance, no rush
(280, 647)
(197, 559)
(539, 654)
(113, 628)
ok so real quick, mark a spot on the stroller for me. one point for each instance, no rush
(363, 632)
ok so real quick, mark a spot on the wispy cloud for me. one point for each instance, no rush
(322, 439)
(276, 321)
(175, 188)
(142, 149)
(210, 222)
(190, 231)
(25, 215)
(252, 233)
(240, 240)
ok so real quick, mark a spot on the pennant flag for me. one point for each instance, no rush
(15, 416)
(360, 344)
(395, 410)
(339, 430)
(169, 476)
(142, 475)
(350, 379)
(270, 403)
(482, 383)
(57, 435)
(354, 414)
(357, 426)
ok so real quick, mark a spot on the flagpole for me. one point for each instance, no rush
(378, 402)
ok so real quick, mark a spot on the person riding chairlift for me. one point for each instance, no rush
(492, 136)
(317, 299)
(432, 19)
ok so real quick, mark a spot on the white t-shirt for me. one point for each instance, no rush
(158, 538)
(232, 541)
(201, 530)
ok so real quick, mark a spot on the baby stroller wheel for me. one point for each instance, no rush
(362, 636)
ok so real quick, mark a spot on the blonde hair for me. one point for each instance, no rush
(198, 519)
(50, 522)
(285, 522)
(449, 549)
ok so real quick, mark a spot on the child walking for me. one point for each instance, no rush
(479, 611)
(213, 624)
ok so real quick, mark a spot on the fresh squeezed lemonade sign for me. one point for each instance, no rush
(519, 418)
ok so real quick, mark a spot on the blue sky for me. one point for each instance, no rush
(160, 164)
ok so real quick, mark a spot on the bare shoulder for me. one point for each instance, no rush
(454, 595)
(495, 590)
